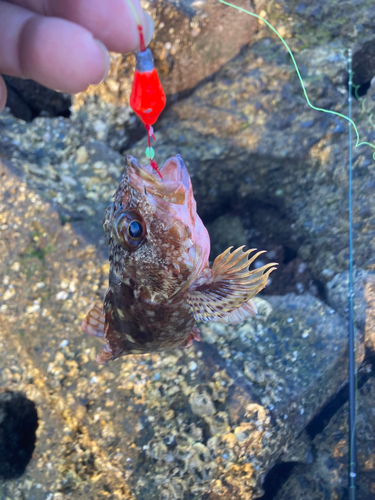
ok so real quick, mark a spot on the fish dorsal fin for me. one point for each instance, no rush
(229, 287)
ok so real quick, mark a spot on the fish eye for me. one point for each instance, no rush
(129, 229)
(135, 229)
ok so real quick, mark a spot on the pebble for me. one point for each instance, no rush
(192, 366)
(81, 155)
(9, 293)
(15, 267)
(69, 180)
(62, 295)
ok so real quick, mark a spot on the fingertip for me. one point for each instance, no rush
(148, 27)
(107, 60)
(3, 93)
(62, 55)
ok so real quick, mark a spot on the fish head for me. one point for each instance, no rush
(158, 243)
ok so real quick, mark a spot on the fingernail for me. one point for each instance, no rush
(149, 27)
(103, 48)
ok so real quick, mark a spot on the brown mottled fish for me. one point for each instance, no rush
(160, 282)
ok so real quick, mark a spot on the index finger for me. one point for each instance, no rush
(114, 22)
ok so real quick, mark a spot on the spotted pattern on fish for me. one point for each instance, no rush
(160, 282)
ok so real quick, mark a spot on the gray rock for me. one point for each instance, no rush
(226, 231)
(370, 313)
(327, 477)
(208, 420)
(211, 420)
(337, 295)
(77, 173)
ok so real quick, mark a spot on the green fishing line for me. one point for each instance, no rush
(358, 143)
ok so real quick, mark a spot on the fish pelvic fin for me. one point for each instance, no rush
(94, 322)
(104, 355)
(226, 295)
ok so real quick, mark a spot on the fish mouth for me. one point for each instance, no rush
(173, 187)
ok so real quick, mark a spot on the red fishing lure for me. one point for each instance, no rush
(147, 98)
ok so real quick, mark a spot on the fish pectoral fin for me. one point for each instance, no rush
(230, 288)
(93, 324)
(239, 315)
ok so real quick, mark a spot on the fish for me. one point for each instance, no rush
(160, 280)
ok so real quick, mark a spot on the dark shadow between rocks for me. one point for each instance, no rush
(322, 418)
(363, 64)
(18, 425)
(28, 100)
(275, 478)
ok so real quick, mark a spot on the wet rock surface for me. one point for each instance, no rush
(369, 294)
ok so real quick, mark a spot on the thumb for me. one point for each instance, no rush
(3, 94)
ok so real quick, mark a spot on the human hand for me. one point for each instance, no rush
(63, 44)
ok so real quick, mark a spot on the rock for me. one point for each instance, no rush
(208, 422)
(18, 425)
(301, 451)
(77, 173)
(240, 133)
(17, 106)
(115, 125)
(28, 99)
(147, 425)
(337, 295)
(327, 476)
(226, 231)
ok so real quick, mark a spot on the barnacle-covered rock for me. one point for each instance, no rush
(201, 403)
(195, 422)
